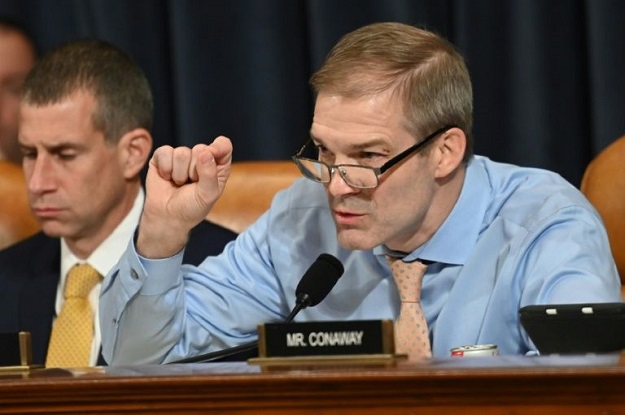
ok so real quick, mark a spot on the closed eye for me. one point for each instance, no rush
(65, 152)
(66, 156)
(29, 154)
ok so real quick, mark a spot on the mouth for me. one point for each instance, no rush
(345, 218)
(46, 212)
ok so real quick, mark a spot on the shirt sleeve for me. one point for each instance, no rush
(128, 297)
(568, 260)
(157, 311)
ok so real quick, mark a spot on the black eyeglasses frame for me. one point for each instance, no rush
(377, 170)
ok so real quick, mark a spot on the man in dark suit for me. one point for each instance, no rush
(29, 279)
(84, 131)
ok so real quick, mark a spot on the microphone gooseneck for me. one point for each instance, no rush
(315, 285)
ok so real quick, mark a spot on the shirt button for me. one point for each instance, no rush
(134, 275)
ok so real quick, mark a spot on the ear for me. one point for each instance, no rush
(451, 148)
(134, 149)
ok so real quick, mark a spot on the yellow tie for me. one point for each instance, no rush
(72, 332)
(411, 329)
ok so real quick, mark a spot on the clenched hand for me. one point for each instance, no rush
(181, 187)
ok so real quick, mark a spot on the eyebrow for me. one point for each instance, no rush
(356, 146)
(55, 148)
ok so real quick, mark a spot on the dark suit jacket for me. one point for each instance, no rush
(29, 276)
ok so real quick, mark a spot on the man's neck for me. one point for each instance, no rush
(83, 246)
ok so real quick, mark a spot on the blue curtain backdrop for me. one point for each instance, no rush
(548, 76)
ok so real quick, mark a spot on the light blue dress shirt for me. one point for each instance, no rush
(517, 236)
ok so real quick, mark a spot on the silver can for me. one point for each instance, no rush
(475, 350)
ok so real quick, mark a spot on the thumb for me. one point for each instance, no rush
(212, 177)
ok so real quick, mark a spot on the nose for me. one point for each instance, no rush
(338, 186)
(39, 174)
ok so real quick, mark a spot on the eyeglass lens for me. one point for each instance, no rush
(355, 176)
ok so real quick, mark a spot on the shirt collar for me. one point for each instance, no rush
(454, 240)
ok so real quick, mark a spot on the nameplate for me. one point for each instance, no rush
(326, 338)
(15, 351)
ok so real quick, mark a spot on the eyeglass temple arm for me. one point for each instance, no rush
(412, 149)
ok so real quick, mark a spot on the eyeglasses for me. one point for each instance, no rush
(360, 177)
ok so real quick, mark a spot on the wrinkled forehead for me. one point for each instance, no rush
(378, 109)
(358, 122)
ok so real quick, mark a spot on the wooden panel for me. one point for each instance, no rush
(16, 220)
(498, 385)
(249, 191)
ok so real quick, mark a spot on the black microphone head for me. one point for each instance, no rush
(318, 280)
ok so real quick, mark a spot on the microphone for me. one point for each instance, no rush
(315, 285)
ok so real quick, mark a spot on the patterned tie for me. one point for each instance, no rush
(72, 332)
(411, 329)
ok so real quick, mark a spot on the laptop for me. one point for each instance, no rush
(575, 328)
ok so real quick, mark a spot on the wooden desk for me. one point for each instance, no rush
(489, 385)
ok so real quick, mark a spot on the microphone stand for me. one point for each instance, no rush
(238, 353)
(309, 292)
(246, 350)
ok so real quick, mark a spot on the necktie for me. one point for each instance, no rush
(72, 332)
(411, 330)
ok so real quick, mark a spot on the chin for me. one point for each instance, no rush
(356, 240)
(53, 230)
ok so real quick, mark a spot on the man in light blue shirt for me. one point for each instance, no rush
(393, 174)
